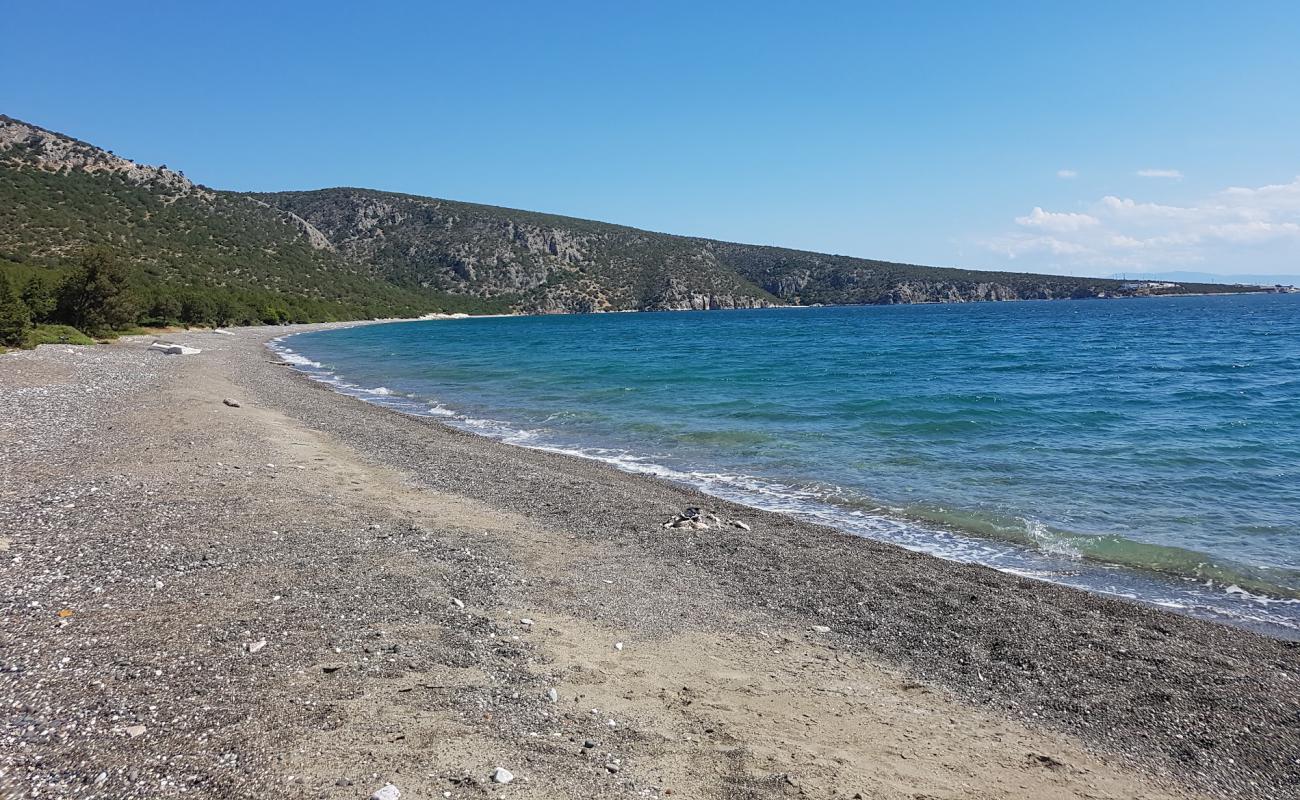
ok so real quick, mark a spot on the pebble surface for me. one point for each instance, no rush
(176, 551)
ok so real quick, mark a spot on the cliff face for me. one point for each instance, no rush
(941, 292)
(543, 264)
(548, 264)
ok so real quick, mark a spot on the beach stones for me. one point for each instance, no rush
(387, 792)
(693, 519)
(230, 402)
(502, 775)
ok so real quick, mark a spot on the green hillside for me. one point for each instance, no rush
(547, 263)
(185, 253)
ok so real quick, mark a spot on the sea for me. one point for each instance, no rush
(1142, 448)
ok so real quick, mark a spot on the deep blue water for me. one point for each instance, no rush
(1148, 448)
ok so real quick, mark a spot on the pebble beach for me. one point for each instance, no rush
(220, 579)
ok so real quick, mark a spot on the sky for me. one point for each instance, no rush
(1091, 139)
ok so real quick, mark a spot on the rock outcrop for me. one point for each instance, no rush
(28, 145)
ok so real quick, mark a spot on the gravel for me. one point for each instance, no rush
(174, 548)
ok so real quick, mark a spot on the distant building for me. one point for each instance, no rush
(1284, 289)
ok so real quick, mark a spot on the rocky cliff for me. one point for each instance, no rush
(549, 264)
(26, 144)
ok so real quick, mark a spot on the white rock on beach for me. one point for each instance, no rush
(821, 629)
(387, 792)
(502, 775)
(174, 349)
(552, 695)
(253, 647)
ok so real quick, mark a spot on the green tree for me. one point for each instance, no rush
(14, 317)
(197, 309)
(165, 310)
(274, 314)
(96, 297)
(38, 295)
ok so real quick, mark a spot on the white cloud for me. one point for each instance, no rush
(1237, 229)
(1067, 173)
(1159, 173)
(1056, 220)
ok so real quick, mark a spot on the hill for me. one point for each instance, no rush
(546, 264)
(231, 252)
(197, 254)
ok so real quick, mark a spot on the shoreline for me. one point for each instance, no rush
(1215, 599)
(336, 533)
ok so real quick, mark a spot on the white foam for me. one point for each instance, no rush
(1051, 559)
(290, 357)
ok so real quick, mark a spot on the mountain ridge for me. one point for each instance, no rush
(351, 251)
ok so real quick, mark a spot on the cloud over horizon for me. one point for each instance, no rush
(1237, 229)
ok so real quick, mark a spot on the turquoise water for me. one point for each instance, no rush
(1147, 448)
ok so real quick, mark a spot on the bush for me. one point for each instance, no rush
(55, 334)
(15, 320)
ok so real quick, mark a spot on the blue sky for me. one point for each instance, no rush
(922, 132)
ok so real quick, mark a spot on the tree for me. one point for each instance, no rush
(197, 309)
(14, 318)
(274, 314)
(38, 295)
(96, 297)
(165, 310)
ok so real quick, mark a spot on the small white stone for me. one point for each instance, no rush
(618, 645)
(387, 792)
(457, 602)
(135, 730)
(253, 647)
(552, 695)
(821, 629)
(526, 622)
(502, 775)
